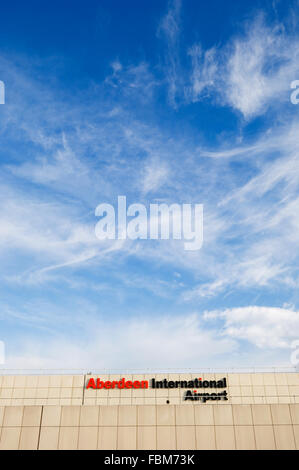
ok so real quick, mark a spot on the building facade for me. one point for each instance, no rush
(152, 412)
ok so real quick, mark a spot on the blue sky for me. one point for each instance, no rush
(180, 102)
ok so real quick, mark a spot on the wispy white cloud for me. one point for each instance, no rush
(260, 67)
(52, 182)
(169, 28)
(134, 81)
(188, 341)
(173, 168)
(203, 72)
(51, 233)
(141, 342)
(156, 173)
(250, 73)
(264, 327)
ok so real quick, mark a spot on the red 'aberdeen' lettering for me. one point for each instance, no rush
(123, 383)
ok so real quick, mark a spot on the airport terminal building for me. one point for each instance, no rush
(165, 411)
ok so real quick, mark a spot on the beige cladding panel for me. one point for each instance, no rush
(127, 437)
(68, 438)
(284, 437)
(166, 438)
(204, 415)
(32, 416)
(49, 436)
(296, 435)
(146, 438)
(264, 437)
(225, 437)
(29, 438)
(223, 415)
(185, 437)
(41, 390)
(242, 415)
(13, 416)
(146, 415)
(151, 427)
(107, 438)
(57, 412)
(10, 438)
(89, 416)
(205, 437)
(66, 390)
(245, 439)
(88, 438)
